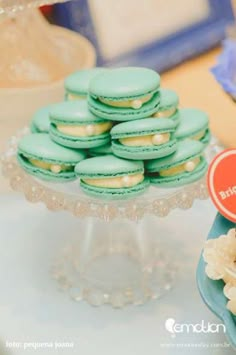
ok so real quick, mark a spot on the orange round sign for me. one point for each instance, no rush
(222, 183)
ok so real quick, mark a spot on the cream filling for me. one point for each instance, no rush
(165, 114)
(149, 140)
(116, 182)
(55, 168)
(72, 97)
(85, 130)
(199, 136)
(189, 166)
(136, 104)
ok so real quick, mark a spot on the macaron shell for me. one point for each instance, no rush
(101, 150)
(40, 122)
(33, 128)
(144, 153)
(127, 82)
(186, 150)
(123, 114)
(107, 166)
(115, 194)
(175, 118)
(78, 82)
(192, 121)
(183, 178)
(168, 99)
(147, 126)
(39, 146)
(207, 138)
(78, 142)
(73, 113)
(77, 98)
(45, 174)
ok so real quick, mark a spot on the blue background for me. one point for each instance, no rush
(162, 54)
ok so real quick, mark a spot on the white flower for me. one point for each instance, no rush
(230, 293)
(220, 256)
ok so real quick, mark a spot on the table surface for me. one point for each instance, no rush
(32, 308)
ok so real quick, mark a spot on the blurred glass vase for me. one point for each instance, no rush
(35, 58)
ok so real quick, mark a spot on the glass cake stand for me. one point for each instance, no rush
(120, 257)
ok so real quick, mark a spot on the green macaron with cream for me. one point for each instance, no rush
(74, 126)
(124, 94)
(194, 124)
(168, 107)
(76, 84)
(148, 138)
(40, 122)
(38, 155)
(111, 177)
(184, 166)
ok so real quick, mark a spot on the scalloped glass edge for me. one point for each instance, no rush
(159, 203)
(212, 291)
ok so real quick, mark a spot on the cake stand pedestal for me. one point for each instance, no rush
(119, 262)
(120, 257)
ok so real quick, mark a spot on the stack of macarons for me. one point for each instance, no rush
(117, 131)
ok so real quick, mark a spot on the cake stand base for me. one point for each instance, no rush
(119, 263)
(121, 256)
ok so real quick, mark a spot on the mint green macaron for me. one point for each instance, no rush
(40, 121)
(168, 107)
(102, 150)
(124, 94)
(194, 124)
(76, 84)
(148, 138)
(38, 155)
(185, 166)
(74, 126)
(110, 177)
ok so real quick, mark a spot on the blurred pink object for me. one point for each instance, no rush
(35, 59)
(34, 53)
